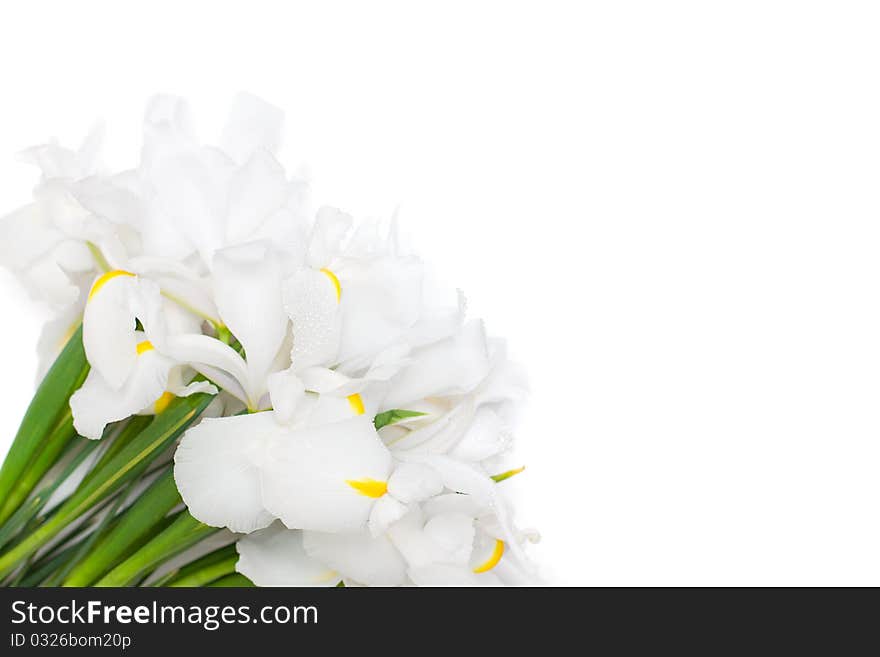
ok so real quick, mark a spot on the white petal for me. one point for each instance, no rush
(486, 437)
(287, 392)
(322, 379)
(331, 227)
(257, 191)
(179, 320)
(455, 503)
(189, 187)
(380, 302)
(45, 280)
(167, 117)
(74, 257)
(56, 161)
(328, 409)
(325, 380)
(192, 389)
(275, 557)
(509, 572)
(54, 336)
(25, 235)
(217, 470)
(149, 307)
(451, 367)
(307, 473)
(389, 362)
(440, 574)
(253, 124)
(108, 327)
(442, 313)
(413, 482)
(216, 360)
(96, 404)
(454, 534)
(179, 283)
(408, 536)
(311, 303)
(385, 512)
(465, 478)
(506, 383)
(438, 436)
(247, 287)
(359, 556)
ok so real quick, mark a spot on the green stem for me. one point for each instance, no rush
(132, 428)
(234, 580)
(28, 512)
(88, 543)
(45, 458)
(44, 569)
(45, 413)
(133, 525)
(73, 539)
(204, 562)
(100, 260)
(183, 533)
(128, 464)
(207, 574)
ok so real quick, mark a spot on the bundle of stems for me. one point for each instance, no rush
(78, 512)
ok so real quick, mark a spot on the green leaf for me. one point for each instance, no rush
(47, 412)
(123, 435)
(67, 545)
(88, 543)
(217, 556)
(38, 572)
(50, 451)
(41, 571)
(130, 463)
(29, 511)
(393, 416)
(184, 532)
(133, 524)
(206, 569)
(235, 580)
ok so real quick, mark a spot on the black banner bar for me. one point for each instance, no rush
(410, 621)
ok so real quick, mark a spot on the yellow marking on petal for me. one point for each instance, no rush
(326, 576)
(103, 278)
(329, 274)
(356, 403)
(146, 345)
(493, 559)
(163, 401)
(507, 475)
(368, 487)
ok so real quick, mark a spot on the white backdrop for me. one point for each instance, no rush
(670, 211)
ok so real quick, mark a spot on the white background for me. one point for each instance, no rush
(670, 211)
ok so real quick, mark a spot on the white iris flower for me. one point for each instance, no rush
(362, 417)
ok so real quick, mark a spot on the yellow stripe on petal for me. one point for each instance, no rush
(163, 401)
(356, 403)
(104, 278)
(493, 559)
(507, 475)
(146, 345)
(329, 274)
(368, 487)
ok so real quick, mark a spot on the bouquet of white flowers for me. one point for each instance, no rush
(237, 391)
